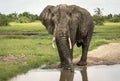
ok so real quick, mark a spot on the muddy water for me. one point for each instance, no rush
(91, 73)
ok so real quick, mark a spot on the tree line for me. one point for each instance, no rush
(99, 18)
(24, 17)
(27, 17)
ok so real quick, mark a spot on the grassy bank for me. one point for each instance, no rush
(19, 53)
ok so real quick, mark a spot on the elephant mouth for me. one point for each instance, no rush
(69, 41)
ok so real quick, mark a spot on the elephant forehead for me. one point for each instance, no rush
(61, 8)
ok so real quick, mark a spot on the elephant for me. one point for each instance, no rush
(69, 25)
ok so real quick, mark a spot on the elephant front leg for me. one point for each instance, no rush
(65, 62)
(83, 59)
(65, 54)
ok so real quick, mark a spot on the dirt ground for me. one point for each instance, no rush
(107, 54)
(104, 55)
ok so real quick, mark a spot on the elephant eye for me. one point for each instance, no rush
(69, 14)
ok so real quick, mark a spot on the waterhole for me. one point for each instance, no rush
(91, 73)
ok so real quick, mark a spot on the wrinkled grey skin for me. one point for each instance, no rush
(64, 21)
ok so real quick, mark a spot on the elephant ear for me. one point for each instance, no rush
(46, 18)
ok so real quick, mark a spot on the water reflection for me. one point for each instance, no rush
(93, 73)
(83, 72)
(67, 75)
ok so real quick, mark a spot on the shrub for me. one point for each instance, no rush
(115, 19)
(98, 17)
(98, 20)
(3, 20)
(23, 19)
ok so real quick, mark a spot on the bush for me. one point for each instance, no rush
(13, 17)
(3, 20)
(115, 19)
(98, 20)
(29, 17)
(23, 19)
(98, 17)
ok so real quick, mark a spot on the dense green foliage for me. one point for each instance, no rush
(24, 20)
(24, 17)
(98, 20)
(98, 17)
(112, 18)
(3, 20)
(20, 53)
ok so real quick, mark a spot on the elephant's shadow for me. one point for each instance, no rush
(67, 75)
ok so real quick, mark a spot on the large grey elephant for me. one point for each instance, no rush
(70, 25)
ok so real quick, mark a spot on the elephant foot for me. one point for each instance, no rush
(66, 67)
(81, 63)
(60, 65)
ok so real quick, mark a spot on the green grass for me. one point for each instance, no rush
(108, 31)
(34, 26)
(39, 48)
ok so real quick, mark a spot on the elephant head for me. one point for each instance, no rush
(68, 25)
(56, 21)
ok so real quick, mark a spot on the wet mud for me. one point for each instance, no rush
(18, 33)
(90, 73)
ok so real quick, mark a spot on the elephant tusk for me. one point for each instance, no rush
(70, 43)
(53, 42)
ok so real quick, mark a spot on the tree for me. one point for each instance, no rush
(13, 17)
(109, 16)
(115, 18)
(27, 16)
(98, 17)
(3, 20)
(23, 19)
(98, 12)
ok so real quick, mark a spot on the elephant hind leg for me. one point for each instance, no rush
(85, 46)
(83, 59)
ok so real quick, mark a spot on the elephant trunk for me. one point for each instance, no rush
(64, 49)
(63, 42)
